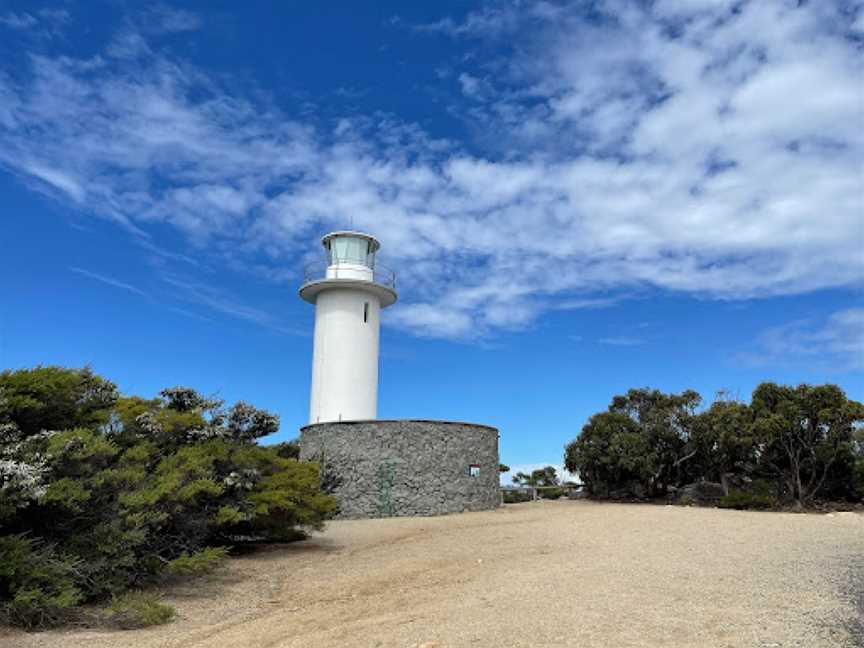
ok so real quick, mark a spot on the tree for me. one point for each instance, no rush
(546, 479)
(503, 468)
(547, 476)
(609, 454)
(857, 477)
(288, 449)
(722, 438)
(801, 432)
(639, 445)
(664, 422)
(808, 440)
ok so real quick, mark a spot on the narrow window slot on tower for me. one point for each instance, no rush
(365, 311)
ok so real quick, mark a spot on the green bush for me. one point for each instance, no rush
(859, 479)
(37, 586)
(551, 493)
(101, 493)
(516, 497)
(135, 610)
(745, 501)
(202, 562)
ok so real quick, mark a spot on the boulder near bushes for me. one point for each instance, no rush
(705, 492)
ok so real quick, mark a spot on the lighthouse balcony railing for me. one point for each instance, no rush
(319, 271)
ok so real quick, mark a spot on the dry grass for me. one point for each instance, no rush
(554, 573)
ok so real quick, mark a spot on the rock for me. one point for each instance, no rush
(703, 492)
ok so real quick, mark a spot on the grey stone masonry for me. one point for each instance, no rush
(406, 467)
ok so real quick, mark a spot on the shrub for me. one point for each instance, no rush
(202, 562)
(37, 586)
(125, 491)
(858, 479)
(551, 493)
(135, 610)
(516, 497)
(743, 501)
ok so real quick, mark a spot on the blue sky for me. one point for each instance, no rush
(578, 198)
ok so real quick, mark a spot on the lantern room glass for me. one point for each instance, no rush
(352, 250)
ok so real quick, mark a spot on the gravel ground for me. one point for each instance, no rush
(538, 574)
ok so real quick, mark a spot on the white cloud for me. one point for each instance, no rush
(833, 343)
(473, 87)
(48, 20)
(715, 153)
(197, 292)
(173, 20)
(109, 281)
(18, 21)
(589, 303)
(57, 179)
(128, 45)
(621, 340)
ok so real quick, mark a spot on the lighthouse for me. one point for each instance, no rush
(348, 292)
(380, 468)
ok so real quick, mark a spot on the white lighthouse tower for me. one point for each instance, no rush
(348, 296)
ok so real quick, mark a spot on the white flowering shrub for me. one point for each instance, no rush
(100, 492)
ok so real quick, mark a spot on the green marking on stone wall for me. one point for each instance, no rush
(386, 479)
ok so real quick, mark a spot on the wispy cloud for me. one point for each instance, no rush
(196, 292)
(652, 145)
(173, 20)
(54, 14)
(621, 341)
(833, 343)
(589, 303)
(47, 20)
(109, 281)
(18, 20)
(187, 313)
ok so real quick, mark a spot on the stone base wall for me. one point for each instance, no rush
(406, 467)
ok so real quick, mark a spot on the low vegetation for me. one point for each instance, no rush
(789, 445)
(545, 480)
(741, 501)
(516, 496)
(135, 610)
(103, 494)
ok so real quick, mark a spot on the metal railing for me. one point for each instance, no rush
(318, 271)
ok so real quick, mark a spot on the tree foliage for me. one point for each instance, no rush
(803, 433)
(805, 442)
(101, 493)
(546, 476)
(639, 444)
(545, 479)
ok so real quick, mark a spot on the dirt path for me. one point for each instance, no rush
(547, 574)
